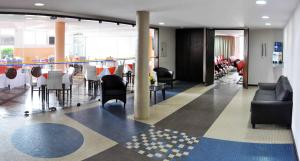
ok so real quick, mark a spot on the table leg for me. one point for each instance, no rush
(43, 97)
(64, 87)
(154, 97)
(164, 93)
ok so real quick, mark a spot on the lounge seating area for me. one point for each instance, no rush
(273, 103)
(130, 80)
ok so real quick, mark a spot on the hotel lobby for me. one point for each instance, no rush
(147, 81)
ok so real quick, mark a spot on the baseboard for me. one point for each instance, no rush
(296, 151)
(253, 85)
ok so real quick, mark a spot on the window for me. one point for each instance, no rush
(29, 37)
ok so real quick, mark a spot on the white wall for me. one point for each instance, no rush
(167, 35)
(261, 68)
(291, 58)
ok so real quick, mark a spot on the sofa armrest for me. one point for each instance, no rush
(172, 73)
(271, 105)
(267, 86)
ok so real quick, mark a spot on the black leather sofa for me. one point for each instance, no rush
(164, 75)
(273, 103)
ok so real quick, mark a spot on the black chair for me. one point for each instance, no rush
(273, 103)
(113, 87)
(164, 75)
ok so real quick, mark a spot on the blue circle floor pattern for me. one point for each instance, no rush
(47, 140)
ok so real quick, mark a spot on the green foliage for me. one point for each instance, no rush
(7, 53)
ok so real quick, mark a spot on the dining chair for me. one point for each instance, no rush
(70, 74)
(36, 72)
(91, 76)
(119, 71)
(11, 73)
(54, 83)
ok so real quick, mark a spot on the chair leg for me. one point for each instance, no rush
(124, 105)
(70, 91)
(31, 91)
(253, 126)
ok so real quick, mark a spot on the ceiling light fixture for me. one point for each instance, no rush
(265, 17)
(268, 24)
(161, 23)
(39, 4)
(261, 2)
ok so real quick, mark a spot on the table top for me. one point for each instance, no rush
(157, 86)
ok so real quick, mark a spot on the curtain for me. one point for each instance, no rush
(225, 45)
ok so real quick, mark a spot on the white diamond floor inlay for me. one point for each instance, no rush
(162, 144)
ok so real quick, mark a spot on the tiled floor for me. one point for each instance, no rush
(195, 123)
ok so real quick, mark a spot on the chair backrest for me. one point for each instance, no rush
(90, 73)
(54, 80)
(71, 71)
(11, 73)
(112, 82)
(120, 70)
(36, 71)
(162, 72)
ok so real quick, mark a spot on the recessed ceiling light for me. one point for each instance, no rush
(39, 4)
(261, 2)
(161, 23)
(268, 24)
(265, 17)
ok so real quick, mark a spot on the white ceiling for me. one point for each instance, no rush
(175, 13)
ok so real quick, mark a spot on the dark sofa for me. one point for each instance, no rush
(273, 103)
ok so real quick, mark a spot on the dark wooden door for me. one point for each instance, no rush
(209, 57)
(189, 55)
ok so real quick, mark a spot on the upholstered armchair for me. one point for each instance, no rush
(164, 75)
(113, 87)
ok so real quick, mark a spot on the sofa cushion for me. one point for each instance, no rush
(264, 95)
(265, 92)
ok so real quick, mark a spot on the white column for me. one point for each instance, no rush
(141, 92)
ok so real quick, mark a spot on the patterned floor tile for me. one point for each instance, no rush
(222, 150)
(162, 144)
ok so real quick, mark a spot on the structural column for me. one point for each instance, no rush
(60, 44)
(141, 92)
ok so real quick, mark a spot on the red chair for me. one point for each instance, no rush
(240, 66)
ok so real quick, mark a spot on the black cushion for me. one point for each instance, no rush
(265, 95)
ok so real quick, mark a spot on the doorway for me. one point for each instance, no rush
(227, 56)
(229, 59)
